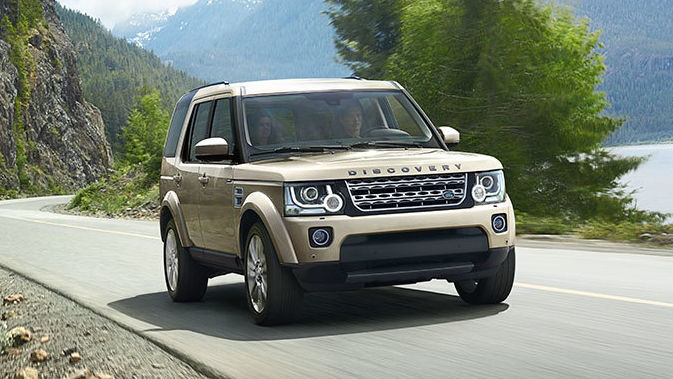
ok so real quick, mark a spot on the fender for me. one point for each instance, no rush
(172, 202)
(273, 221)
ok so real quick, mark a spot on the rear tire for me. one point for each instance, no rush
(186, 280)
(492, 290)
(273, 294)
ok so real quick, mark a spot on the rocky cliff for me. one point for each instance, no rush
(51, 139)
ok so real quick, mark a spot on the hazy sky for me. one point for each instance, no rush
(113, 11)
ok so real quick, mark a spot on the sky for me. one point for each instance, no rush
(110, 12)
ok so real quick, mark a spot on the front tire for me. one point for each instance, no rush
(186, 280)
(492, 290)
(273, 294)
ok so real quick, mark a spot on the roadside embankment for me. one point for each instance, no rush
(45, 335)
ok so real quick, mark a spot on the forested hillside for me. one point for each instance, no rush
(114, 72)
(638, 40)
(246, 40)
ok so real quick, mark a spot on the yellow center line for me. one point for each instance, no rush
(594, 294)
(81, 227)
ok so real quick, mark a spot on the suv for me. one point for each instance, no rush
(326, 184)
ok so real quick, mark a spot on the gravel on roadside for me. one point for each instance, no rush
(58, 338)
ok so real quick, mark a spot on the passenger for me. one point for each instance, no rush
(351, 121)
(262, 129)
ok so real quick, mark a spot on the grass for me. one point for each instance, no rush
(128, 187)
(654, 232)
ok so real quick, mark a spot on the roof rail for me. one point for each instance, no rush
(226, 83)
(354, 77)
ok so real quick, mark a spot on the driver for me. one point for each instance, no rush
(350, 120)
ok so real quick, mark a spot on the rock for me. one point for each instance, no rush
(64, 133)
(35, 329)
(75, 357)
(39, 355)
(158, 366)
(13, 299)
(27, 373)
(20, 335)
(11, 351)
(85, 373)
(69, 351)
(9, 314)
(45, 339)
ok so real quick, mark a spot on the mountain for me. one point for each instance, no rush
(638, 49)
(51, 138)
(114, 72)
(143, 26)
(240, 40)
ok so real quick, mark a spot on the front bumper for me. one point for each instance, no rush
(454, 244)
(347, 226)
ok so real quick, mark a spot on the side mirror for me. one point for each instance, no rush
(451, 135)
(211, 148)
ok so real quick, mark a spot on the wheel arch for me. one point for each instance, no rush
(258, 207)
(170, 210)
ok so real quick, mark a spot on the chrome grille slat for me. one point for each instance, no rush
(415, 191)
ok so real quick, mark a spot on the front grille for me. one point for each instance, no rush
(408, 192)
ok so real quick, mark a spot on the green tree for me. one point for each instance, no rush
(519, 80)
(143, 135)
(367, 32)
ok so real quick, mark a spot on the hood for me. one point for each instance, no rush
(364, 164)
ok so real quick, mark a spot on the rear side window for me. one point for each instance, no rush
(177, 121)
(199, 127)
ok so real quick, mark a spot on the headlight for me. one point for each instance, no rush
(311, 200)
(489, 188)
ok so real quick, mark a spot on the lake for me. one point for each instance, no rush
(653, 180)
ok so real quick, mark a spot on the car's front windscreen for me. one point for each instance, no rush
(333, 120)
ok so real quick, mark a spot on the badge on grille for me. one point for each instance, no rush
(448, 195)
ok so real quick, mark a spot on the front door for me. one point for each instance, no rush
(216, 207)
(191, 187)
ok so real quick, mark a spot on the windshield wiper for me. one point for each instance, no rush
(303, 149)
(387, 144)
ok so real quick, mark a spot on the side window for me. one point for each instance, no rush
(199, 130)
(176, 124)
(222, 126)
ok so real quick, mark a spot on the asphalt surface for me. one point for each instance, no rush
(577, 310)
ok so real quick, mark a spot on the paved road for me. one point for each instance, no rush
(576, 310)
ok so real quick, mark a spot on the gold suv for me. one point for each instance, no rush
(326, 184)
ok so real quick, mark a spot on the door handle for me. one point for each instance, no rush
(204, 179)
(177, 178)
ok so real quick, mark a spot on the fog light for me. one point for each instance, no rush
(320, 237)
(499, 223)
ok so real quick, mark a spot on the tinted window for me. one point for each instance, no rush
(177, 121)
(199, 127)
(222, 122)
(334, 118)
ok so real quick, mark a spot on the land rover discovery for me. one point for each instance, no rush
(326, 184)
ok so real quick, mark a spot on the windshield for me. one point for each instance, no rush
(304, 122)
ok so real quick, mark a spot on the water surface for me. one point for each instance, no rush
(653, 180)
